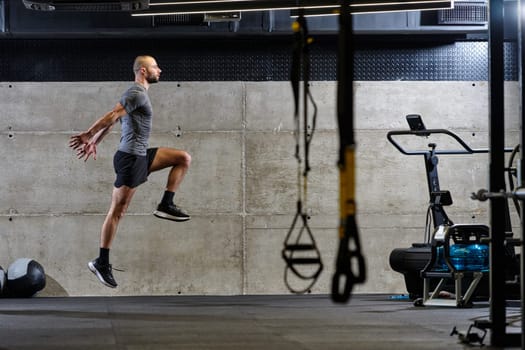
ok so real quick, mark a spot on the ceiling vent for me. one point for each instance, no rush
(86, 5)
(465, 12)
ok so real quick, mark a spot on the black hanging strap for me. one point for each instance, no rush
(300, 251)
(350, 263)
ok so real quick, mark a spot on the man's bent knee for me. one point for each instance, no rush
(186, 159)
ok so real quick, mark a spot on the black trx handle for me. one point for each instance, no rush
(304, 246)
(348, 260)
(350, 263)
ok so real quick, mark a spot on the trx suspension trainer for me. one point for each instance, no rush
(300, 251)
(350, 263)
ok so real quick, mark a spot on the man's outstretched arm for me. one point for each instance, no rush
(85, 142)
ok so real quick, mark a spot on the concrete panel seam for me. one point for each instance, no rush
(243, 190)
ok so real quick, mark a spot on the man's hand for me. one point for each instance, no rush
(86, 142)
(83, 145)
(87, 150)
(78, 141)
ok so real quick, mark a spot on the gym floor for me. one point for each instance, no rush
(369, 321)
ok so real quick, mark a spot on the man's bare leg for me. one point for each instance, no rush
(179, 161)
(120, 200)
(101, 267)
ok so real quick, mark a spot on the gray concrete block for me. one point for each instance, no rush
(272, 172)
(266, 235)
(454, 105)
(214, 182)
(202, 106)
(265, 266)
(203, 255)
(54, 106)
(270, 106)
(391, 182)
(45, 177)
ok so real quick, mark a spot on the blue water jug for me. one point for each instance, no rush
(470, 257)
(440, 264)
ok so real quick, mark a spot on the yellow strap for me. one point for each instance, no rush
(347, 206)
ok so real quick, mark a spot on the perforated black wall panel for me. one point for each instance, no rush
(250, 59)
(462, 61)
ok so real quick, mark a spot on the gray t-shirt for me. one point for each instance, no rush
(136, 124)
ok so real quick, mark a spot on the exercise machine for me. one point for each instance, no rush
(453, 257)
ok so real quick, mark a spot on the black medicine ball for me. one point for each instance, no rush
(25, 277)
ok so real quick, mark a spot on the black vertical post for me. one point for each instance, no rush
(521, 169)
(345, 77)
(350, 263)
(497, 175)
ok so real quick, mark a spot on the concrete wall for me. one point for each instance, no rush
(241, 190)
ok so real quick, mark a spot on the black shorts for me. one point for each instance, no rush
(132, 170)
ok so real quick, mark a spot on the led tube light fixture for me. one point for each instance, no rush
(170, 7)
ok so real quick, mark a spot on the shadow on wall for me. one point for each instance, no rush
(52, 289)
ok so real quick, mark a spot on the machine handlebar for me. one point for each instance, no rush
(426, 132)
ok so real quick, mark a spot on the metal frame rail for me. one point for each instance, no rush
(521, 166)
(499, 336)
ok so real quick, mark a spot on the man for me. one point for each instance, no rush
(133, 161)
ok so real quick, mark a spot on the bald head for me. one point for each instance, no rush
(142, 61)
(146, 70)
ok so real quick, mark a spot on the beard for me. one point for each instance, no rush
(152, 79)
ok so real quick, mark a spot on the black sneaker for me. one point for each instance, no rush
(171, 212)
(103, 272)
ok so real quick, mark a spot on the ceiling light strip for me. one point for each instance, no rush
(374, 9)
(359, 6)
(286, 3)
